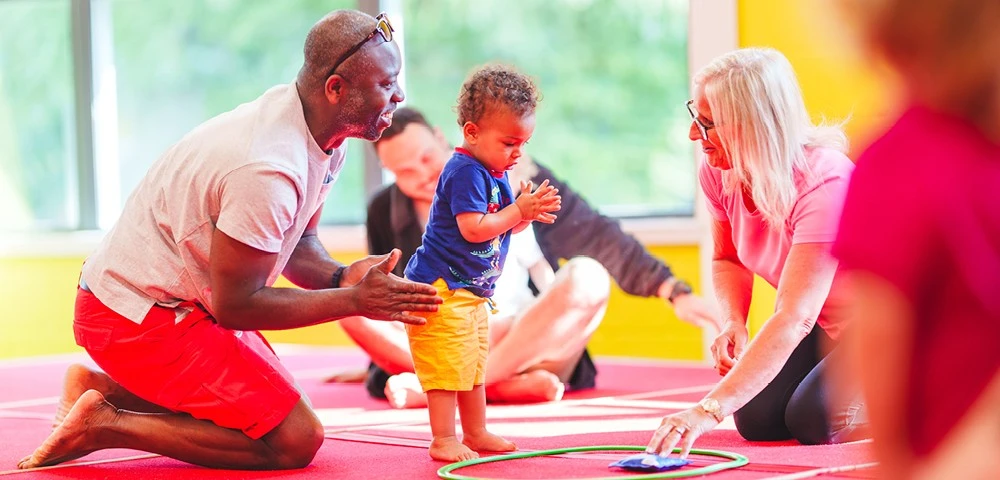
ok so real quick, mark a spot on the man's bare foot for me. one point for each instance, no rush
(348, 376)
(79, 379)
(449, 449)
(529, 387)
(403, 391)
(73, 438)
(487, 442)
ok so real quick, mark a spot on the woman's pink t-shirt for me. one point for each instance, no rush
(923, 213)
(813, 219)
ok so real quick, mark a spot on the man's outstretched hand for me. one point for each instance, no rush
(380, 295)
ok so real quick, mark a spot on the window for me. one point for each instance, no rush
(199, 59)
(613, 76)
(37, 155)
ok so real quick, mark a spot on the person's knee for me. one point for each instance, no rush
(301, 453)
(807, 422)
(588, 282)
(758, 423)
(296, 440)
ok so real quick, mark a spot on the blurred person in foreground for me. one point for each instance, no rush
(920, 237)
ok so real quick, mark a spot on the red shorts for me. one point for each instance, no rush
(194, 366)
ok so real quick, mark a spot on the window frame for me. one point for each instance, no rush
(713, 30)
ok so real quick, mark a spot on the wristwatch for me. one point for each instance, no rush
(680, 288)
(711, 406)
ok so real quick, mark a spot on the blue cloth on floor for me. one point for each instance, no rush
(649, 462)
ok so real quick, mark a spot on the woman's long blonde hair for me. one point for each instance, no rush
(764, 127)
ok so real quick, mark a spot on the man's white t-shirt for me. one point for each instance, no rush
(255, 173)
(511, 292)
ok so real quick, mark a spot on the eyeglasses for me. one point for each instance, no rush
(697, 120)
(383, 27)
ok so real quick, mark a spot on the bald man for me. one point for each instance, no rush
(170, 304)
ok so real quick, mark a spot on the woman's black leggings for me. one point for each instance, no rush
(797, 404)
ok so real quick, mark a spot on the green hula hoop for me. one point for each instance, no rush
(735, 461)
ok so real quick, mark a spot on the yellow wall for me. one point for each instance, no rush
(37, 293)
(38, 297)
(836, 83)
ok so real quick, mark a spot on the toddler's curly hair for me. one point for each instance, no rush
(496, 85)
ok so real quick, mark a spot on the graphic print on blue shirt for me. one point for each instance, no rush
(465, 186)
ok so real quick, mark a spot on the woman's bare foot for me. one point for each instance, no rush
(485, 441)
(74, 437)
(530, 387)
(449, 449)
(79, 379)
(403, 391)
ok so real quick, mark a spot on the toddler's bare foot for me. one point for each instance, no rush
(487, 442)
(74, 437)
(449, 449)
(79, 379)
(529, 387)
(403, 391)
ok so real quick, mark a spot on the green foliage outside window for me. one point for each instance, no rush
(613, 76)
(37, 162)
(182, 62)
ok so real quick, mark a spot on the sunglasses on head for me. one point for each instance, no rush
(382, 27)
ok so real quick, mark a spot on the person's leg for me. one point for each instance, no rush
(79, 379)
(529, 387)
(94, 424)
(472, 412)
(816, 415)
(551, 333)
(384, 342)
(763, 418)
(403, 391)
(445, 446)
(237, 407)
(472, 402)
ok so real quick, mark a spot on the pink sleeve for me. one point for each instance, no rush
(258, 206)
(711, 185)
(815, 215)
(885, 229)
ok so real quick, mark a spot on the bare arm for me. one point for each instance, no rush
(802, 291)
(732, 280)
(310, 265)
(882, 327)
(521, 226)
(242, 301)
(481, 227)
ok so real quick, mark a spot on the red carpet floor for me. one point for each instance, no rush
(367, 439)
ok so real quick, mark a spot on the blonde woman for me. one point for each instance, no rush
(774, 184)
(920, 240)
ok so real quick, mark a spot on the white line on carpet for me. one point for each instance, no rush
(79, 464)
